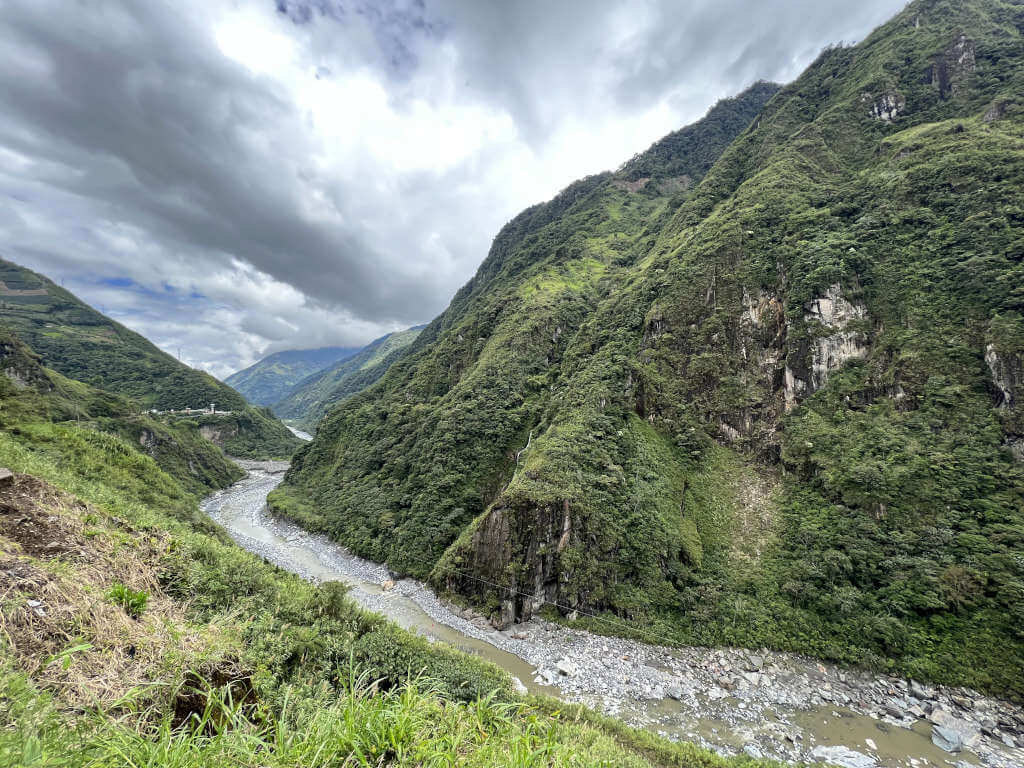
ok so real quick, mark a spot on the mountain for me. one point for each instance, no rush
(80, 343)
(269, 380)
(774, 403)
(311, 398)
(34, 399)
(136, 632)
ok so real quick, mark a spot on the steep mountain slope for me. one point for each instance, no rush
(82, 344)
(32, 394)
(782, 410)
(269, 380)
(135, 632)
(311, 398)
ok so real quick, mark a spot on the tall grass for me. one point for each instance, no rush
(359, 727)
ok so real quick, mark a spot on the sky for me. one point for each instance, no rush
(233, 178)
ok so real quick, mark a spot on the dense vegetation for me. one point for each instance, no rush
(133, 632)
(308, 401)
(270, 379)
(781, 408)
(31, 392)
(77, 341)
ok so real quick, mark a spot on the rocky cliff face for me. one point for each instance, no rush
(580, 429)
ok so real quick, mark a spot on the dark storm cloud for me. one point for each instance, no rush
(169, 132)
(310, 172)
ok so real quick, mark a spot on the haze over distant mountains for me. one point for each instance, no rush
(761, 386)
(268, 380)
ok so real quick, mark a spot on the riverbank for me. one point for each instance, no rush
(762, 703)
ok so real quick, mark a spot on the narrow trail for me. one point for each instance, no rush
(734, 701)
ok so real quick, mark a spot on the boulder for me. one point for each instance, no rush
(843, 757)
(967, 733)
(947, 739)
(963, 702)
(567, 667)
(6, 477)
(919, 691)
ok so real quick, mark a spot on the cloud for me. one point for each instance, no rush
(312, 172)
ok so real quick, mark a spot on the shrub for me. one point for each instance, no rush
(132, 601)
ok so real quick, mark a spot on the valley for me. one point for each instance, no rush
(759, 703)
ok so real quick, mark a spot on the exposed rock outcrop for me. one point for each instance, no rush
(886, 107)
(1007, 376)
(833, 342)
(950, 69)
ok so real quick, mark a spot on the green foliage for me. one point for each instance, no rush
(868, 512)
(325, 683)
(309, 399)
(133, 601)
(80, 343)
(315, 728)
(270, 379)
(32, 393)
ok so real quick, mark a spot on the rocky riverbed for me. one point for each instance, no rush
(762, 703)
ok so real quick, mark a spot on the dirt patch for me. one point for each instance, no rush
(30, 517)
(756, 500)
(59, 559)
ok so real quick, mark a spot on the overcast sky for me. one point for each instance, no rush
(236, 177)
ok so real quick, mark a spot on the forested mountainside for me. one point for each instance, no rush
(77, 341)
(270, 379)
(777, 403)
(311, 398)
(41, 403)
(134, 632)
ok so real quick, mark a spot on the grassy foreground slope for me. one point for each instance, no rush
(133, 632)
(267, 381)
(780, 408)
(77, 341)
(311, 398)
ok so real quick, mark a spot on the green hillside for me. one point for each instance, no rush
(133, 632)
(31, 393)
(77, 341)
(776, 403)
(273, 377)
(310, 399)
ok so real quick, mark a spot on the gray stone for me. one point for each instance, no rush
(6, 477)
(963, 702)
(940, 716)
(674, 692)
(843, 757)
(567, 667)
(920, 691)
(947, 739)
(754, 751)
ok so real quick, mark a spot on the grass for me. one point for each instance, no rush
(134, 633)
(359, 727)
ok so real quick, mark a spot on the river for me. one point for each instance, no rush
(762, 703)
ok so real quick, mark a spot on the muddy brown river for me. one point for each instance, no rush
(733, 701)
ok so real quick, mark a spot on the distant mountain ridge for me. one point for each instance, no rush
(271, 378)
(82, 344)
(308, 401)
(766, 392)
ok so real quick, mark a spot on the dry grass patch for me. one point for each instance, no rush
(59, 560)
